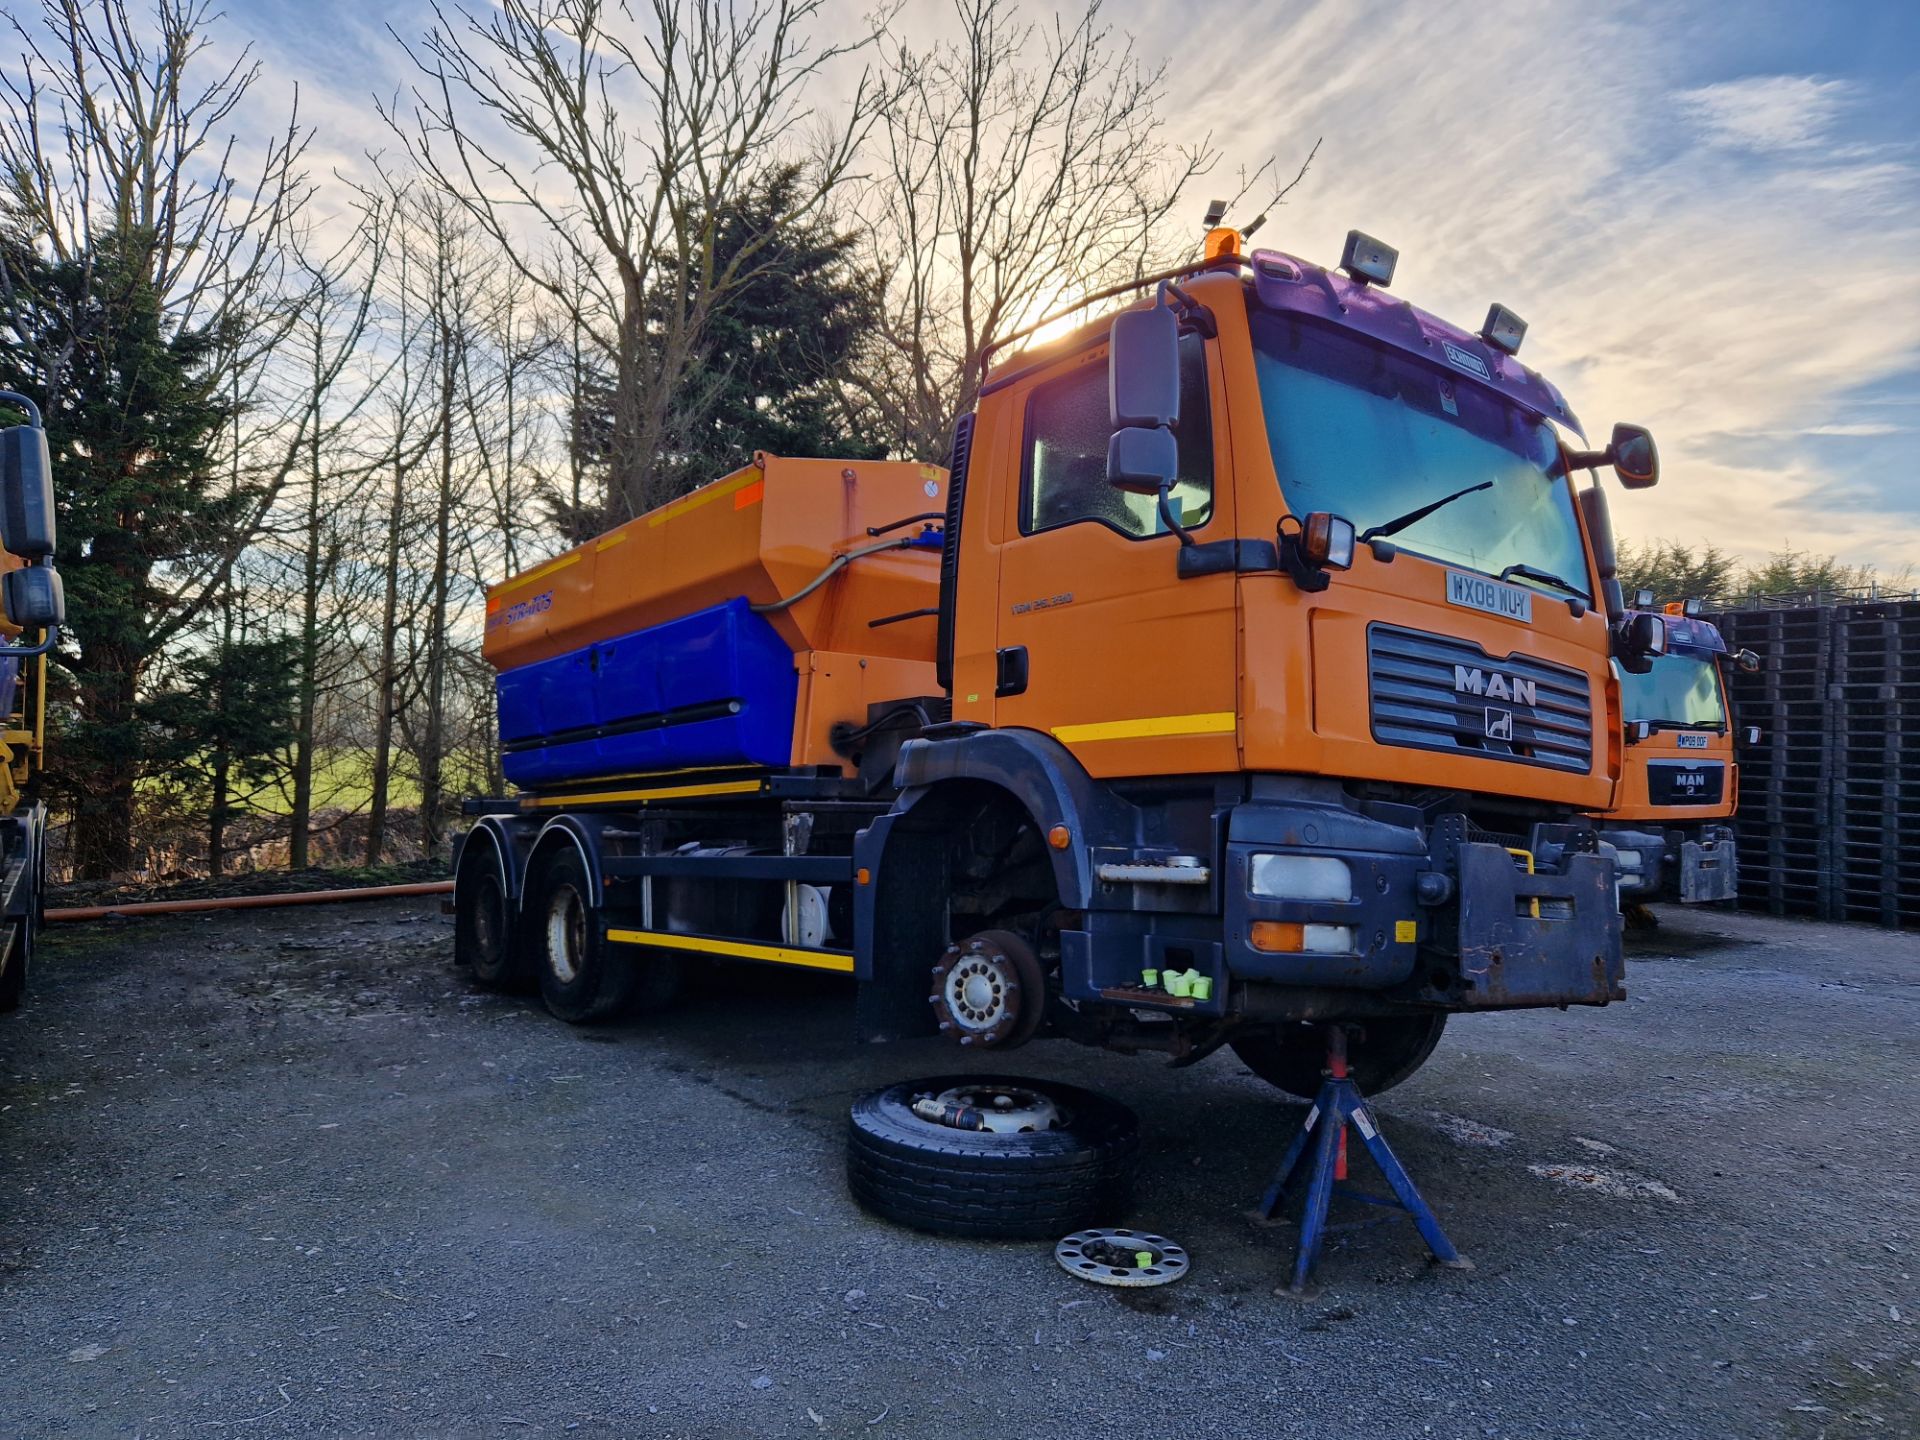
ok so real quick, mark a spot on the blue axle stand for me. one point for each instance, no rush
(1319, 1153)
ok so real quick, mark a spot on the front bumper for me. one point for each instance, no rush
(1692, 865)
(1443, 916)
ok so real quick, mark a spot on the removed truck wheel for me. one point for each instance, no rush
(1382, 1054)
(991, 1156)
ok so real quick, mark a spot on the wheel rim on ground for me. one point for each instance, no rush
(566, 933)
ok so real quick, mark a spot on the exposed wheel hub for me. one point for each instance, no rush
(1001, 1109)
(989, 991)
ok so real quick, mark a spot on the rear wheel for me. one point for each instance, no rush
(18, 937)
(1381, 1052)
(583, 979)
(483, 938)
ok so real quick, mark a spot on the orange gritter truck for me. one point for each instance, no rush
(1679, 782)
(1246, 668)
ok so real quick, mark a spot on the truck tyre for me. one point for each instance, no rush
(13, 969)
(1293, 1057)
(1032, 1185)
(484, 941)
(583, 979)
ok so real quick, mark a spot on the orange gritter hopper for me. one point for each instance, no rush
(667, 643)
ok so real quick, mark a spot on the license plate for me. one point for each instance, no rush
(1477, 592)
(1691, 742)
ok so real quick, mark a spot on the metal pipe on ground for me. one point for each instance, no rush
(251, 902)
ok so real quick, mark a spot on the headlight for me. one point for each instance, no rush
(1300, 877)
(1627, 860)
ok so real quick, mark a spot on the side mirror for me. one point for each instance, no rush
(26, 485)
(1635, 460)
(1748, 661)
(1143, 369)
(1142, 461)
(1641, 641)
(1751, 734)
(34, 597)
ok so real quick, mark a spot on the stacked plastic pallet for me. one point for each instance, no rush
(1874, 723)
(1829, 819)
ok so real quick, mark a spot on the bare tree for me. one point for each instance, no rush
(1017, 165)
(136, 224)
(332, 325)
(646, 126)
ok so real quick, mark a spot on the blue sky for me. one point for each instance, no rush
(1708, 213)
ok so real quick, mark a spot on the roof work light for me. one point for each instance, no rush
(1368, 260)
(1504, 330)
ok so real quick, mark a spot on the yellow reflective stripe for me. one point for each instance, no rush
(738, 949)
(736, 481)
(572, 557)
(554, 802)
(607, 542)
(1218, 722)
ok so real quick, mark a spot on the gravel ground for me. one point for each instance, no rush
(281, 1173)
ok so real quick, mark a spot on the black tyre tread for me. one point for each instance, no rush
(607, 980)
(517, 976)
(13, 979)
(969, 1184)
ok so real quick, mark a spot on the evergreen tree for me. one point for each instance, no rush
(132, 419)
(771, 353)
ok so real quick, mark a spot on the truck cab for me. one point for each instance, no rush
(1679, 780)
(1260, 676)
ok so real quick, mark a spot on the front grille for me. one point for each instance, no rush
(1437, 692)
(1679, 782)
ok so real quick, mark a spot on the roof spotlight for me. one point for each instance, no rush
(1216, 212)
(1504, 330)
(1368, 260)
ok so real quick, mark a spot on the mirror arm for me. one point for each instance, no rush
(27, 652)
(1190, 310)
(1167, 517)
(21, 402)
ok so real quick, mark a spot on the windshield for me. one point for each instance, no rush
(1680, 690)
(1371, 435)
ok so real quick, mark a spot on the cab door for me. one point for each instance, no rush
(1100, 643)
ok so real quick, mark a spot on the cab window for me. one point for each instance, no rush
(1065, 479)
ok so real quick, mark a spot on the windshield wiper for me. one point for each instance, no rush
(1716, 726)
(1545, 577)
(1401, 522)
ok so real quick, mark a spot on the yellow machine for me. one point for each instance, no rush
(31, 601)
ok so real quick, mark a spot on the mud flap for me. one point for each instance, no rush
(1541, 939)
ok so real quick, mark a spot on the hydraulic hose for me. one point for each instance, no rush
(834, 567)
(251, 902)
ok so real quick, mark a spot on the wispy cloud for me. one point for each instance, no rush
(1766, 112)
(1687, 263)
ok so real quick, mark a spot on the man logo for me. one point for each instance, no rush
(1499, 724)
(1468, 680)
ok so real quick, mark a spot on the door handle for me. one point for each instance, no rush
(1010, 671)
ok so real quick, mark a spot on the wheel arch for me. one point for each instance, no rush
(579, 834)
(901, 904)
